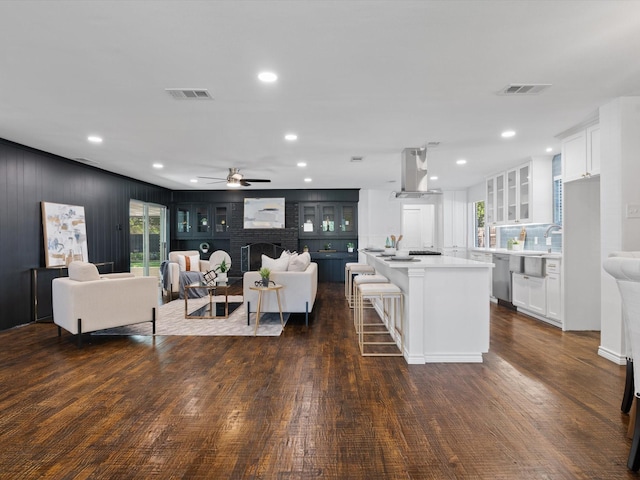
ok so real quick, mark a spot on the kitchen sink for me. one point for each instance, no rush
(534, 265)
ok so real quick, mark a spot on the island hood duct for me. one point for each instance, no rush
(414, 174)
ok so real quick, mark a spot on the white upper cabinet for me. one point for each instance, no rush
(581, 154)
(496, 199)
(526, 195)
(518, 197)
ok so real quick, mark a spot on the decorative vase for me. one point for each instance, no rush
(265, 281)
(222, 277)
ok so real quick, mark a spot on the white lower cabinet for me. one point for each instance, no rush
(530, 293)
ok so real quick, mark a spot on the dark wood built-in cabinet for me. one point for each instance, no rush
(329, 226)
(328, 220)
(201, 221)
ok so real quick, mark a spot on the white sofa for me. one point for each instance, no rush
(86, 301)
(297, 296)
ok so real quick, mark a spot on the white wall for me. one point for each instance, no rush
(380, 215)
(477, 193)
(620, 171)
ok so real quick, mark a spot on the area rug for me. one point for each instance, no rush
(170, 321)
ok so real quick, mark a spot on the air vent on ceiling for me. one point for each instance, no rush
(357, 159)
(86, 161)
(524, 89)
(189, 93)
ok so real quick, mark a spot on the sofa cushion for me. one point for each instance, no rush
(83, 271)
(189, 263)
(275, 264)
(299, 262)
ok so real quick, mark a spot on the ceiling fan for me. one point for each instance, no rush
(235, 179)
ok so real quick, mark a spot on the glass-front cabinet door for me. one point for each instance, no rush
(523, 193)
(202, 220)
(348, 223)
(500, 198)
(221, 213)
(512, 196)
(308, 214)
(490, 214)
(328, 218)
(183, 221)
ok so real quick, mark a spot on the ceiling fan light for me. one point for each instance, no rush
(233, 184)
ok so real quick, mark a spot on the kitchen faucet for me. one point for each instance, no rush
(549, 228)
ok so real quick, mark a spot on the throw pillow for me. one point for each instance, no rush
(189, 263)
(299, 262)
(275, 264)
(83, 271)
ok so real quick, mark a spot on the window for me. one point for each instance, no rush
(479, 240)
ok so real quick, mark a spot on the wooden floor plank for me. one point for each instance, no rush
(307, 405)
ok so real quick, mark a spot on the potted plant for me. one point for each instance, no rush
(305, 248)
(350, 247)
(222, 270)
(264, 273)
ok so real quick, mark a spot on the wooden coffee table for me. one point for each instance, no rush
(213, 289)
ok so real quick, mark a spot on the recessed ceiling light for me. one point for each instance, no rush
(462, 161)
(291, 137)
(549, 149)
(433, 178)
(267, 77)
(94, 139)
(194, 180)
(307, 180)
(508, 134)
(158, 165)
(302, 164)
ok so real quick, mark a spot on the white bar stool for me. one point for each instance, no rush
(362, 279)
(350, 269)
(393, 313)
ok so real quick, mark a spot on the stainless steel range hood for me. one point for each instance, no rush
(414, 174)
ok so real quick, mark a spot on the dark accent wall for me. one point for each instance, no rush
(29, 176)
(239, 236)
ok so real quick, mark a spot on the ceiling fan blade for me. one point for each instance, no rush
(214, 178)
(244, 183)
(263, 180)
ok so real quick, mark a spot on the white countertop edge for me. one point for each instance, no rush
(517, 252)
(432, 261)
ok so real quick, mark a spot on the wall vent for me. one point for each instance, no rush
(189, 93)
(524, 89)
(357, 159)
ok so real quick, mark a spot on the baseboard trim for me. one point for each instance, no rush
(612, 356)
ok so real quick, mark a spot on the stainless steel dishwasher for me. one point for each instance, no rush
(502, 278)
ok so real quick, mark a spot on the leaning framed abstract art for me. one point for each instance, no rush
(65, 234)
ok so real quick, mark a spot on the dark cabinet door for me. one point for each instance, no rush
(328, 220)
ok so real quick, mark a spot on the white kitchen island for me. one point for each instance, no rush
(446, 306)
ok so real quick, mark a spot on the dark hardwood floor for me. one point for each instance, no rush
(304, 405)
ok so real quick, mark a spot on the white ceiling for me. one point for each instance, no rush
(356, 78)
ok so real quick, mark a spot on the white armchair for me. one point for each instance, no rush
(86, 301)
(180, 261)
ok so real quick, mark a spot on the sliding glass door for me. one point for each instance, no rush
(147, 237)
